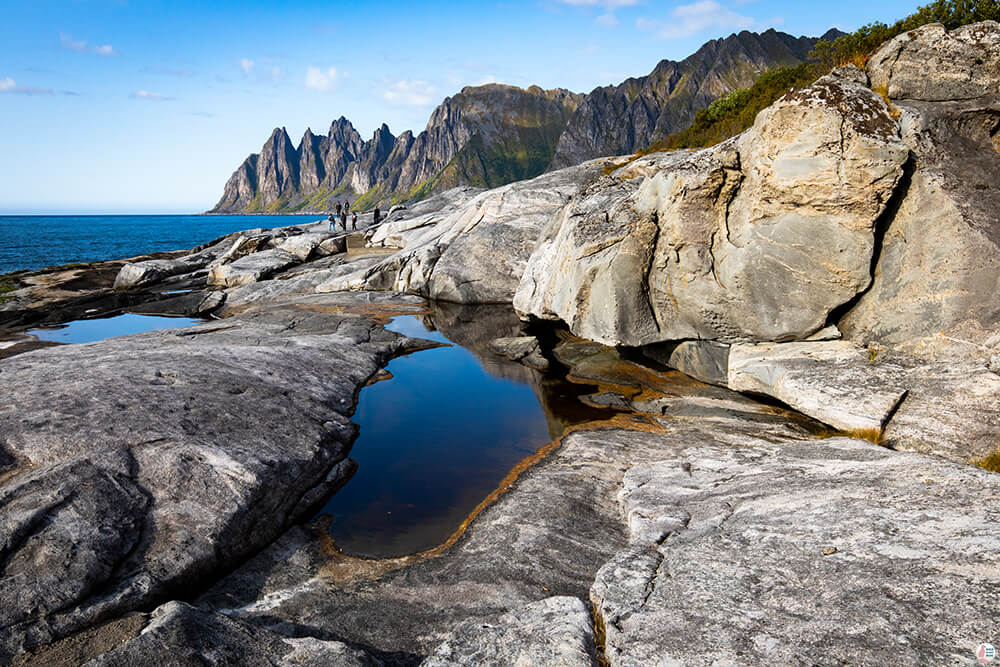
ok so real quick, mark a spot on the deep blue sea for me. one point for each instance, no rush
(37, 241)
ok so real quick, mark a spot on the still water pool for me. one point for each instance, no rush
(88, 331)
(439, 436)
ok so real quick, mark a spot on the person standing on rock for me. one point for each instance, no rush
(347, 205)
(343, 219)
(332, 227)
(354, 220)
(338, 208)
(377, 216)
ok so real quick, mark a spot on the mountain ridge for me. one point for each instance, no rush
(494, 134)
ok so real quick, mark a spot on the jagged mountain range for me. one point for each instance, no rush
(495, 134)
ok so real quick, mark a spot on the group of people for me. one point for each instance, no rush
(342, 211)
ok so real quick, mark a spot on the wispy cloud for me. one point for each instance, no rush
(695, 18)
(606, 4)
(81, 46)
(320, 79)
(9, 86)
(607, 20)
(411, 93)
(246, 65)
(151, 97)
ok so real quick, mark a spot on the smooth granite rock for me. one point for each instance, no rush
(468, 247)
(525, 349)
(835, 382)
(937, 279)
(178, 634)
(824, 552)
(553, 631)
(251, 268)
(139, 467)
(759, 238)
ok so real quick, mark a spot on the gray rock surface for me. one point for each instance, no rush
(834, 382)
(467, 247)
(936, 281)
(525, 349)
(251, 268)
(823, 552)
(759, 238)
(137, 467)
(553, 631)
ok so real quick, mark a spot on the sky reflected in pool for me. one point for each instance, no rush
(435, 440)
(88, 331)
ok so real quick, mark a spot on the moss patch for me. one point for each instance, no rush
(991, 462)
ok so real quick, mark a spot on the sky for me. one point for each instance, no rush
(132, 106)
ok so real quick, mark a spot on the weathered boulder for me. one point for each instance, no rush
(137, 467)
(553, 631)
(251, 268)
(937, 279)
(834, 382)
(759, 238)
(831, 552)
(465, 246)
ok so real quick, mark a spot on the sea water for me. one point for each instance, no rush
(38, 241)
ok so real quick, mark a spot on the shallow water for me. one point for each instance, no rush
(88, 331)
(438, 437)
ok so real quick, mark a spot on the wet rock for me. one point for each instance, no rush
(937, 278)
(759, 238)
(554, 631)
(525, 349)
(726, 560)
(834, 382)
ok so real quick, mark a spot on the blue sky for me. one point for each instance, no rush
(138, 106)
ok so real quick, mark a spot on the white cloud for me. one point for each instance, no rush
(698, 17)
(153, 97)
(246, 65)
(81, 46)
(411, 93)
(275, 73)
(8, 85)
(607, 4)
(607, 20)
(321, 80)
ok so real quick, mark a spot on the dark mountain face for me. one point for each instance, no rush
(618, 120)
(495, 134)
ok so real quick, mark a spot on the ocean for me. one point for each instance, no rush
(38, 241)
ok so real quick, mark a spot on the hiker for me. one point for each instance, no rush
(378, 216)
(338, 209)
(347, 205)
(343, 219)
(332, 227)
(354, 220)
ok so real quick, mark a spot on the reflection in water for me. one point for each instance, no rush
(444, 431)
(88, 331)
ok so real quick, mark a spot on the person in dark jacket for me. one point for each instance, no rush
(333, 223)
(343, 219)
(347, 206)
(378, 216)
(338, 209)
(354, 220)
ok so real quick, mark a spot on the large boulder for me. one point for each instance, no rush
(471, 247)
(937, 280)
(759, 238)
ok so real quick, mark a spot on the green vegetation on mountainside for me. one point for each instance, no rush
(731, 114)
